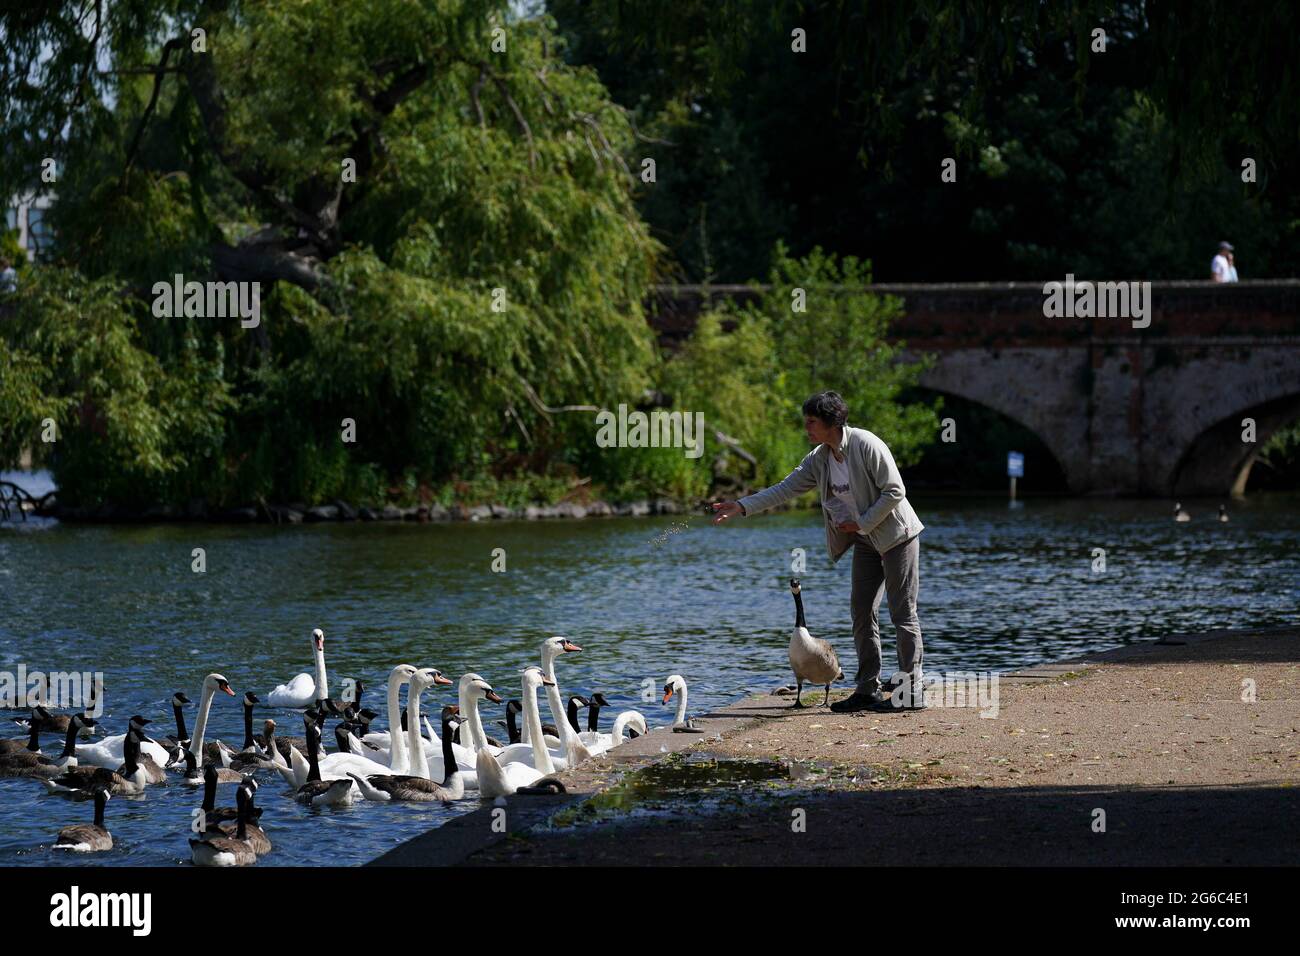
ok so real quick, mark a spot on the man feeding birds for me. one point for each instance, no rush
(865, 508)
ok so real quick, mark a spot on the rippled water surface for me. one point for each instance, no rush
(644, 597)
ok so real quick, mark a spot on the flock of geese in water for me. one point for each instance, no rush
(410, 761)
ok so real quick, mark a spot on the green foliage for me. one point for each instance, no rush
(751, 382)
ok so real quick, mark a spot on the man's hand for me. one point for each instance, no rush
(848, 527)
(722, 510)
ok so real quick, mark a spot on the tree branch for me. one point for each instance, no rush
(159, 74)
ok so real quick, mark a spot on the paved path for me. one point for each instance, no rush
(1156, 736)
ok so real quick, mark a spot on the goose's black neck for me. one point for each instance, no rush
(248, 726)
(180, 722)
(130, 753)
(100, 799)
(798, 610)
(593, 715)
(341, 738)
(241, 801)
(313, 749)
(70, 742)
(449, 768)
(572, 713)
(512, 726)
(34, 736)
(209, 793)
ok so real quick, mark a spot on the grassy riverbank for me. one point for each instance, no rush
(1157, 736)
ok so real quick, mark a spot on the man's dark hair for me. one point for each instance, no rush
(829, 407)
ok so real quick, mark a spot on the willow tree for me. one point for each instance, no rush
(435, 207)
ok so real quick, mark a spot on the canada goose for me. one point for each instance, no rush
(252, 756)
(676, 684)
(318, 792)
(1223, 513)
(225, 850)
(227, 826)
(576, 702)
(304, 689)
(32, 742)
(341, 707)
(58, 723)
(33, 764)
(594, 704)
(182, 738)
(213, 814)
(1180, 514)
(403, 787)
(88, 837)
(194, 776)
(129, 778)
(812, 659)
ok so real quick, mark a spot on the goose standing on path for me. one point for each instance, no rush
(676, 684)
(1179, 513)
(812, 659)
(304, 689)
(88, 837)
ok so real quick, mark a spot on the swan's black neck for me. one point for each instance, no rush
(180, 722)
(248, 726)
(572, 713)
(512, 726)
(798, 610)
(449, 768)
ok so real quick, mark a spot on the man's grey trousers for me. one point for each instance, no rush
(896, 574)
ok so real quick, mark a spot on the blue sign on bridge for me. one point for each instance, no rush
(1015, 464)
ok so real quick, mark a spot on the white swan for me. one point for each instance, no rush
(387, 740)
(211, 684)
(111, 751)
(303, 689)
(575, 751)
(681, 723)
(604, 742)
(496, 779)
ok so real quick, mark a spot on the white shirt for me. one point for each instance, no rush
(1221, 271)
(840, 505)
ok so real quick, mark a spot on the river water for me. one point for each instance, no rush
(645, 597)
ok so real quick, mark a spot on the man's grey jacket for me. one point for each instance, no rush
(885, 514)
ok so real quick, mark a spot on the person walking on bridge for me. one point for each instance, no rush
(865, 508)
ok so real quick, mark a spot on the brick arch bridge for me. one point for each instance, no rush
(1152, 411)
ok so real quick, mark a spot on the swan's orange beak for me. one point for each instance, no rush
(439, 679)
(570, 646)
(493, 696)
(547, 682)
(225, 686)
(668, 693)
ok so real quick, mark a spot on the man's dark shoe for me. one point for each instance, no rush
(856, 702)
